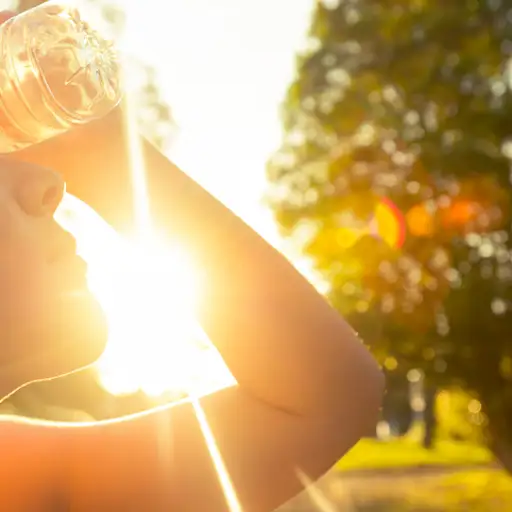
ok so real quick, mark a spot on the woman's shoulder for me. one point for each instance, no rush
(31, 463)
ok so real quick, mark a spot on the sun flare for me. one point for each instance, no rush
(149, 292)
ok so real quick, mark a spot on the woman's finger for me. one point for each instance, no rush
(5, 15)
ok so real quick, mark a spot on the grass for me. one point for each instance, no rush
(468, 488)
(407, 452)
(475, 491)
(471, 485)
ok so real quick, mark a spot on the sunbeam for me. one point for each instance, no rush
(189, 328)
(224, 478)
(316, 496)
(143, 226)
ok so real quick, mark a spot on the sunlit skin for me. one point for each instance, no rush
(307, 388)
(41, 279)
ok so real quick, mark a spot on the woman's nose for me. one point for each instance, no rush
(39, 191)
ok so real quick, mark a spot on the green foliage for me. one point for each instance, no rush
(409, 101)
(459, 417)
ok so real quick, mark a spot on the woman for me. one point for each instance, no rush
(307, 388)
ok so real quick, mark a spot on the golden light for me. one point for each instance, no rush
(386, 223)
(148, 287)
(222, 473)
(315, 494)
(148, 291)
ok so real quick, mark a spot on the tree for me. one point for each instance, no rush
(409, 104)
(79, 396)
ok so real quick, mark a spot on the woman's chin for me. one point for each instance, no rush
(81, 330)
(73, 337)
(70, 335)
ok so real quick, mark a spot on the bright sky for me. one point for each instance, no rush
(224, 67)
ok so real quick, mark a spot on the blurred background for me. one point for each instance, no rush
(371, 142)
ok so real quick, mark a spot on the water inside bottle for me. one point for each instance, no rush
(55, 71)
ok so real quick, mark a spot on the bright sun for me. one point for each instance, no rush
(148, 291)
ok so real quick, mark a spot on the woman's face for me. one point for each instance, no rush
(50, 324)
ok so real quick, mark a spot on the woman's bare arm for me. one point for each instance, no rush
(160, 461)
(308, 389)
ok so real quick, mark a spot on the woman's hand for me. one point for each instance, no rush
(94, 161)
(73, 153)
(6, 15)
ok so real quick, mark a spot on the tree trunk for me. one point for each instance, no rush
(499, 435)
(502, 450)
(429, 416)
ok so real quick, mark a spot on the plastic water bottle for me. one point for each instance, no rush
(56, 71)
